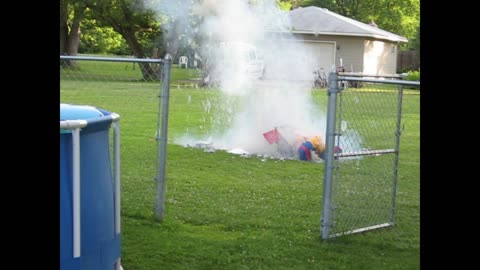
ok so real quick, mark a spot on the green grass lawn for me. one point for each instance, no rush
(224, 211)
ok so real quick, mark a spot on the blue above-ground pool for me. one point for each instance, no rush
(89, 190)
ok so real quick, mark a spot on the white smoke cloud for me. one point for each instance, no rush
(283, 99)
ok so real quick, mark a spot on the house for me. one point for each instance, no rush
(329, 40)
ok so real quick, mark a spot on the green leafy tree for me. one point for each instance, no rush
(101, 39)
(288, 4)
(401, 17)
(135, 22)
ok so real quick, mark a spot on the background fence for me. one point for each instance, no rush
(149, 80)
(360, 185)
(408, 60)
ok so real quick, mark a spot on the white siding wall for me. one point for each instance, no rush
(298, 59)
(359, 54)
(380, 57)
(349, 49)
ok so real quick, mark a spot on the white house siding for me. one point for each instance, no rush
(324, 54)
(297, 59)
(380, 57)
(357, 54)
(349, 49)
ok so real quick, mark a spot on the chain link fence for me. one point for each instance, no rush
(361, 188)
(99, 82)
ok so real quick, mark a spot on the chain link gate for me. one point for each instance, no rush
(81, 78)
(360, 181)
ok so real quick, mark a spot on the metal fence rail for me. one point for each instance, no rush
(360, 182)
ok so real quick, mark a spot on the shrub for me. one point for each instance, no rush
(412, 75)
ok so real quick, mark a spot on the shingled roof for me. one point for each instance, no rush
(315, 20)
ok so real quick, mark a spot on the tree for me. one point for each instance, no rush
(288, 4)
(71, 14)
(401, 17)
(132, 20)
(101, 39)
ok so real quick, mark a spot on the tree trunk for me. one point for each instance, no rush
(63, 27)
(74, 38)
(149, 73)
(70, 38)
(63, 37)
(172, 41)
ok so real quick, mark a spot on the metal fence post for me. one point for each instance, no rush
(76, 199)
(116, 171)
(398, 132)
(330, 143)
(162, 137)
